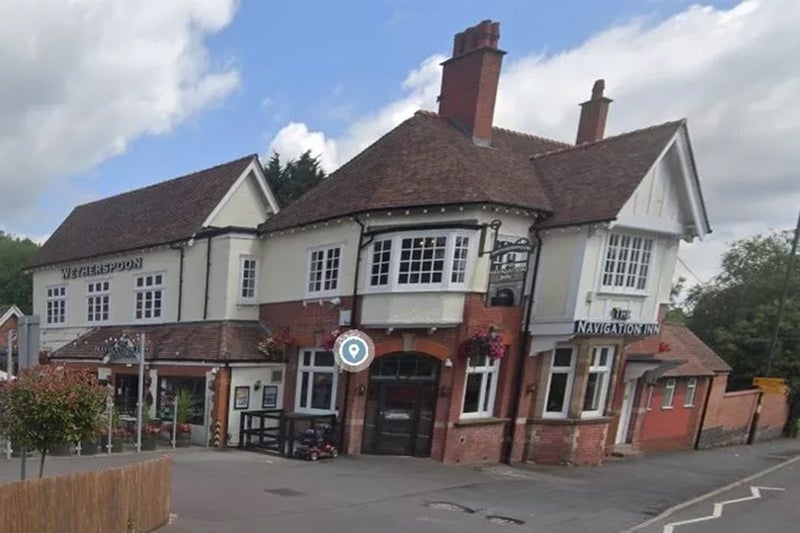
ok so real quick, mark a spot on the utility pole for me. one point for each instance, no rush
(787, 278)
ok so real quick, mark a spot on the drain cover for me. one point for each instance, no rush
(449, 506)
(283, 491)
(504, 520)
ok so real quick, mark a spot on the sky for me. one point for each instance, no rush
(97, 98)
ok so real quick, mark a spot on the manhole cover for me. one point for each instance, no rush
(505, 521)
(448, 506)
(283, 491)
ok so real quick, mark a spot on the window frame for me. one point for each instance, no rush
(649, 403)
(669, 385)
(162, 287)
(491, 367)
(606, 371)
(49, 299)
(570, 372)
(248, 299)
(612, 288)
(312, 369)
(396, 248)
(691, 383)
(326, 249)
(101, 294)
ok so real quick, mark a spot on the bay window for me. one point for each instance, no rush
(316, 382)
(627, 263)
(435, 260)
(480, 388)
(559, 384)
(597, 381)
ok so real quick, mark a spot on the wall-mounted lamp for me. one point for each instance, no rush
(257, 385)
(361, 389)
(444, 391)
(448, 363)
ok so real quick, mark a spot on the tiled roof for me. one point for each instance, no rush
(425, 161)
(428, 161)
(692, 356)
(158, 214)
(591, 182)
(187, 341)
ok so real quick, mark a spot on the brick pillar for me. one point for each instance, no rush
(357, 403)
(219, 410)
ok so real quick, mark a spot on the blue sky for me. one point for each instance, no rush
(299, 60)
(107, 97)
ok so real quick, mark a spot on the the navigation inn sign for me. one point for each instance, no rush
(616, 329)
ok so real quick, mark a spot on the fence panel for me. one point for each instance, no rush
(129, 498)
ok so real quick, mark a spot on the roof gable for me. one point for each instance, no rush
(247, 203)
(7, 311)
(668, 200)
(591, 182)
(166, 212)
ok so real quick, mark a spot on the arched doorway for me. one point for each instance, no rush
(401, 405)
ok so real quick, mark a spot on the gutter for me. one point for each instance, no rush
(508, 441)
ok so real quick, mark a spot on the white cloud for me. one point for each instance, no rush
(733, 73)
(81, 80)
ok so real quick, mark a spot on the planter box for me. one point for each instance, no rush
(116, 444)
(182, 440)
(90, 448)
(148, 442)
(61, 450)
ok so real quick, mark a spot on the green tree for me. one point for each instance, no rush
(50, 405)
(676, 311)
(291, 180)
(735, 313)
(16, 286)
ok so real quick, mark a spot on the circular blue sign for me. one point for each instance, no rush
(353, 350)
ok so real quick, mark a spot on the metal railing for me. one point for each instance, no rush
(273, 430)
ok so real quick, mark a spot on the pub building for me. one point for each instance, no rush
(500, 276)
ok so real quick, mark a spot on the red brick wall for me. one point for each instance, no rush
(728, 417)
(772, 417)
(676, 428)
(568, 442)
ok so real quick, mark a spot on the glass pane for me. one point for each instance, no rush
(304, 390)
(472, 393)
(563, 357)
(558, 392)
(322, 391)
(486, 395)
(594, 388)
(324, 359)
(307, 358)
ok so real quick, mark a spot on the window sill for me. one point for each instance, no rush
(667, 408)
(609, 291)
(568, 421)
(688, 406)
(480, 421)
(246, 303)
(400, 289)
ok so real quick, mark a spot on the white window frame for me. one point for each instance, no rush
(92, 297)
(669, 392)
(631, 269)
(688, 401)
(162, 287)
(447, 283)
(312, 369)
(649, 405)
(254, 298)
(595, 367)
(326, 249)
(490, 367)
(51, 298)
(570, 372)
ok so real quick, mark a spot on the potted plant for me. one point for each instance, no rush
(118, 437)
(183, 411)
(275, 344)
(149, 436)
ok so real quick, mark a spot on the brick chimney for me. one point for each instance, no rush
(594, 112)
(470, 78)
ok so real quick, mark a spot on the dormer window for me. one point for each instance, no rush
(627, 262)
(428, 261)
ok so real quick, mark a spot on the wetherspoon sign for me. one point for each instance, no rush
(99, 269)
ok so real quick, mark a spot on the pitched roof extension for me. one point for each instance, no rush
(159, 214)
(428, 161)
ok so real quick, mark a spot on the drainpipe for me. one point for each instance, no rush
(208, 274)
(180, 279)
(353, 324)
(508, 443)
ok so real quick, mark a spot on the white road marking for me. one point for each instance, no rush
(755, 494)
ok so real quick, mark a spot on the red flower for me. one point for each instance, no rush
(489, 343)
(329, 339)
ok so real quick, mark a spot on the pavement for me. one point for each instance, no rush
(236, 491)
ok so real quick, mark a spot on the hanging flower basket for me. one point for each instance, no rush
(275, 344)
(330, 337)
(485, 343)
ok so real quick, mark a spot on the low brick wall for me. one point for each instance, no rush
(728, 419)
(475, 443)
(567, 442)
(118, 500)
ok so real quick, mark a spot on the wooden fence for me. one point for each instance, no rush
(134, 498)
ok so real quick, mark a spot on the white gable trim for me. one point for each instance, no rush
(255, 168)
(12, 311)
(699, 227)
